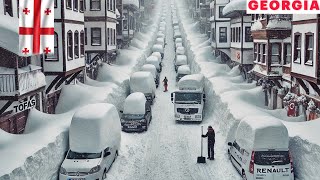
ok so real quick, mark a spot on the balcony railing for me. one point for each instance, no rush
(27, 81)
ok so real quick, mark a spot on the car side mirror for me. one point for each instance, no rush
(121, 111)
(229, 143)
(107, 154)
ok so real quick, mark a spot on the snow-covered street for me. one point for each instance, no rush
(169, 150)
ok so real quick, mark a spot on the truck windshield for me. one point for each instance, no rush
(75, 155)
(271, 157)
(183, 98)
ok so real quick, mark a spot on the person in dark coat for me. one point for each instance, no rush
(211, 140)
(165, 84)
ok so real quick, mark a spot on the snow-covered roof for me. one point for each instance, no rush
(191, 82)
(9, 33)
(257, 25)
(262, 132)
(154, 61)
(150, 68)
(142, 82)
(131, 2)
(135, 103)
(233, 6)
(180, 50)
(181, 60)
(278, 24)
(157, 48)
(94, 127)
(184, 69)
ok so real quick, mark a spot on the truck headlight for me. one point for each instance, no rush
(197, 116)
(122, 121)
(177, 115)
(95, 169)
(63, 171)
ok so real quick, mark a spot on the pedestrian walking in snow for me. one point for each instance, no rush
(165, 84)
(211, 140)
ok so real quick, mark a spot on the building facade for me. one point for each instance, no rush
(130, 16)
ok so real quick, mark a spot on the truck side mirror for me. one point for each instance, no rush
(229, 143)
(204, 97)
(106, 154)
(171, 97)
(121, 111)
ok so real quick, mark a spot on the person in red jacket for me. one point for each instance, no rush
(165, 84)
(211, 140)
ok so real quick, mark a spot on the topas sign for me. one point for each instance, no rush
(283, 6)
(24, 105)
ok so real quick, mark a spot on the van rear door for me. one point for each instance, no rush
(272, 165)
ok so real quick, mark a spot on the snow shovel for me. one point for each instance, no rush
(201, 159)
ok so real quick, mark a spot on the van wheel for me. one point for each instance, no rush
(104, 175)
(244, 177)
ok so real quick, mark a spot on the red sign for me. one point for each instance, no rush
(291, 109)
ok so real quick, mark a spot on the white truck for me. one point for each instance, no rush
(94, 140)
(260, 149)
(189, 99)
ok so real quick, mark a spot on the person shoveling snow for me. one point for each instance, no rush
(211, 140)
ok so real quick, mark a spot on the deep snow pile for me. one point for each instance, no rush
(39, 153)
(235, 99)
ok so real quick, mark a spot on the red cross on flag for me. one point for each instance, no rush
(36, 27)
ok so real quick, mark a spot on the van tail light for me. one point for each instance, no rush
(291, 162)
(251, 167)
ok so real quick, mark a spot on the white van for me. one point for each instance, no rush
(143, 82)
(136, 115)
(94, 140)
(260, 149)
(181, 60)
(158, 48)
(189, 99)
(153, 70)
(183, 71)
(154, 61)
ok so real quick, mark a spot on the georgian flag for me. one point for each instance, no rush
(36, 27)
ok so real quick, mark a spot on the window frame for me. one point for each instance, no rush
(81, 6)
(70, 46)
(56, 50)
(8, 8)
(76, 45)
(248, 37)
(92, 29)
(296, 48)
(285, 53)
(69, 4)
(91, 2)
(221, 12)
(82, 45)
(225, 39)
(76, 5)
(264, 53)
(308, 62)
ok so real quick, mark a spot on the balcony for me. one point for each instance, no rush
(279, 21)
(18, 83)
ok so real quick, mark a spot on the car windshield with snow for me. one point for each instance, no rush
(76, 155)
(261, 149)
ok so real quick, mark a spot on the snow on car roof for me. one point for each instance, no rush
(135, 103)
(179, 45)
(160, 39)
(184, 69)
(154, 61)
(9, 34)
(150, 68)
(157, 48)
(93, 128)
(178, 40)
(142, 81)
(157, 54)
(262, 132)
(180, 50)
(181, 60)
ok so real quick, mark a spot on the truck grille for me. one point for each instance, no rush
(187, 110)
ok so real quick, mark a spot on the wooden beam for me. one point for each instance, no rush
(5, 107)
(303, 85)
(315, 87)
(61, 81)
(73, 77)
(53, 83)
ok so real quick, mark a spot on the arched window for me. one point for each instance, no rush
(55, 55)
(82, 43)
(70, 45)
(75, 5)
(76, 44)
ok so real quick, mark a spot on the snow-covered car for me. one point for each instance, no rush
(180, 51)
(154, 60)
(162, 23)
(175, 22)
(260, 149)
(178, 40)
(158, 48)
(162, 28)
(142, 81)
(160, 34)
(178, 45)
(177, 34)
(136, 115)
(160, 41)
(183, 70)
(153, 70)
(158, 55)
(176, 28)
(181, 60)
(94, 141)
(189, 99)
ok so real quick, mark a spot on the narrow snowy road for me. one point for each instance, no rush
(169, 150)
